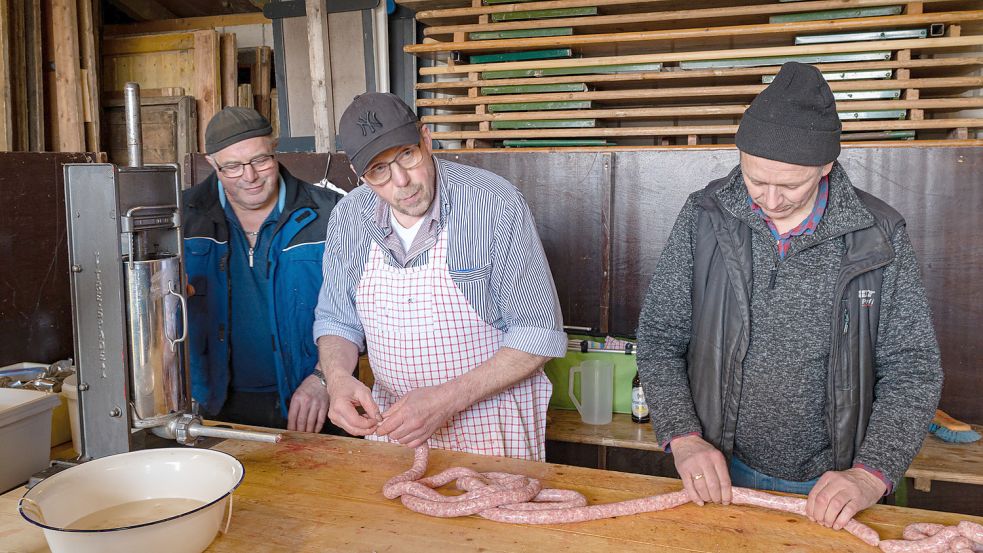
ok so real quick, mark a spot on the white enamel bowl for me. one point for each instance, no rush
(200, 474)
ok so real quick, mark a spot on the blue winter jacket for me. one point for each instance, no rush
(295, 265)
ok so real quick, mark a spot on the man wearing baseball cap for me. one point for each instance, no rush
(438, 271)
(253, 241)
(785, 342)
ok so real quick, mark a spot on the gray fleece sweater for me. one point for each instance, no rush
(781, 426)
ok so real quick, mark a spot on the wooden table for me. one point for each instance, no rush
(937, 460)
(322, 493)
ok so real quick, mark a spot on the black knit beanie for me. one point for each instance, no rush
(793, 120)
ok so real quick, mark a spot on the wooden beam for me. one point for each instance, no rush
(245, 96)
(67, 128)
(465, 84)
(145, 44)
(143, 10)
(702, 33)
(716, 110)
(186, 24)
(90, 75)
(431, 16)
(695, 92)
(736, 53)
(662, 16)
(207, 81)
(321, 85)
(230, 70)
(18, 46)
(35, 76)
(6, 89)
(700, 130)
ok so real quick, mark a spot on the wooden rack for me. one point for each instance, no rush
(659, 72)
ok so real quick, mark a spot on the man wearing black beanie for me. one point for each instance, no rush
(785, 342)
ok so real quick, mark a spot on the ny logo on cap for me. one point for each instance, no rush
(369, 123)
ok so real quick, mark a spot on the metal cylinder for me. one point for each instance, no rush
(200, 430)
(134, 132)
(157, 320)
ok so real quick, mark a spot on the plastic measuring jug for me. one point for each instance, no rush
(596, 391)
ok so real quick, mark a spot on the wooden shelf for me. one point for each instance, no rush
(657, 72)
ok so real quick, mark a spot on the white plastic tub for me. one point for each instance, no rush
(206, 476)
(25, 432)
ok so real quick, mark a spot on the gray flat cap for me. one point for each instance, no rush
(234, 124)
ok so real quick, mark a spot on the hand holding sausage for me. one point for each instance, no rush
(417, 415)
(703, 470)
(841, 494)
(345, 394)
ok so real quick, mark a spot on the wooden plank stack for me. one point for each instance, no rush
(49, 92)
(522, 73)
(192, 61)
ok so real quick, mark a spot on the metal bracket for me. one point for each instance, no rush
(298, 8)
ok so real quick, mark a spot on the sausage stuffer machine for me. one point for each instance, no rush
(129, 304)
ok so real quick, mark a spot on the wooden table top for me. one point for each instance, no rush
(322, 493)
(937, 460)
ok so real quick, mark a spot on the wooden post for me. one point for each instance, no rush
(321, 83)
(6, 111)
(67, 122)
(904, 74)
(207, 80)
(245, 99)
(90, 73)
(17, 60)
(35, 76)
(230, 70)
(480, 109)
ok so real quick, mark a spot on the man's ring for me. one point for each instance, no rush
(697, 477)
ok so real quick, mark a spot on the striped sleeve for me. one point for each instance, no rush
(523, 286)
(344, 259)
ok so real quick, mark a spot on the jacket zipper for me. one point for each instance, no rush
(837, 347)
(251, 250)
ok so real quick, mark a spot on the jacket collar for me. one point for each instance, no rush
(845, 212)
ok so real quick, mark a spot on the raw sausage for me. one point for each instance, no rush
(513, 498)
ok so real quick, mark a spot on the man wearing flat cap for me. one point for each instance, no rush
(440, 274)
(253, 241)
(785, 342)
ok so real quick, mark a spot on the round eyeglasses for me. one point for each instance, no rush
(236, 169)
(379, 173)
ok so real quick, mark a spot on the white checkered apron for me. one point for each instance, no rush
(421, 331)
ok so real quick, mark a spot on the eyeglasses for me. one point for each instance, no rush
(380, 173)
(259, 163)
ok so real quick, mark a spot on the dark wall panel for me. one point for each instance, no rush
(650, 189)
(569, 195)
(35, 309)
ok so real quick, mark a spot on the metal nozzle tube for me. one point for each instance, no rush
(134, 133)
(196, 430)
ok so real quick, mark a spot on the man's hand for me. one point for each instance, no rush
(417, 415)
(308, 406)
(703, 470)
(346, 395)
(841, 494)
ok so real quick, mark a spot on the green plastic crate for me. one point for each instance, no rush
(558, 371)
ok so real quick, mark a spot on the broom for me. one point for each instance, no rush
(950, 430)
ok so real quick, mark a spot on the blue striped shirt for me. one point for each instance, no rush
(494, 255)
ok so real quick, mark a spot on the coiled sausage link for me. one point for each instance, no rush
(513, 498)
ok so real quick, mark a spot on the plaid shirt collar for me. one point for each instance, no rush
(808, 226)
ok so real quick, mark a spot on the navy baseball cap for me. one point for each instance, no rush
(373, 123)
